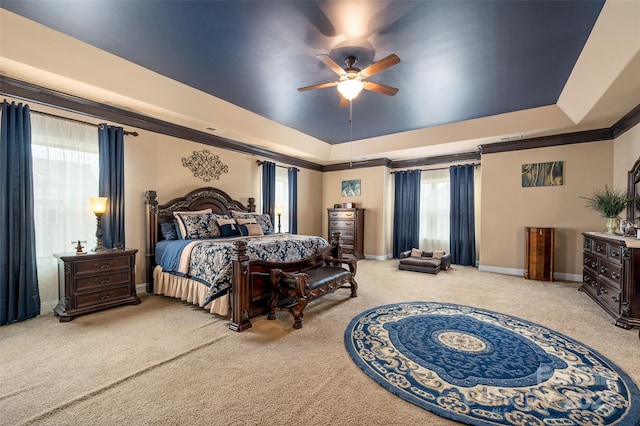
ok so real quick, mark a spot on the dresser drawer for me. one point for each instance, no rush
(610, 296)
(342, 224)
(614, 253)
(342, 215)
(590, 282)
(586, 244)
(94, 282)
(91, 266)
(590, 261)
(599, 247)
(106, 296)
(611, 271)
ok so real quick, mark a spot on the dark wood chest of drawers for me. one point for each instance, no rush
(611, 276)
(95, 281)
(350, 224)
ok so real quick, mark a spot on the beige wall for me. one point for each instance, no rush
(374, 198)
(626, 151)
(507, 208)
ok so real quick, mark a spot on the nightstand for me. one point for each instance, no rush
(94, 281)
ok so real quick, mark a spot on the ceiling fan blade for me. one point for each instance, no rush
(380, 88)
(344, 102)
(381, 65)
(335, 67)
(317, 86)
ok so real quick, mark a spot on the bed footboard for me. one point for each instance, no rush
(251, 285)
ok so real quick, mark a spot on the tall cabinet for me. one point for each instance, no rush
(350, 224)
(538, 263)
(611, 275)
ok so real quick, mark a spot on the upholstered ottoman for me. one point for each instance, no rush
(425, 261)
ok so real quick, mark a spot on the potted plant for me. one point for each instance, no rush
(609, 203)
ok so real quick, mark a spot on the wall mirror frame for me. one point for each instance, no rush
(633, 189)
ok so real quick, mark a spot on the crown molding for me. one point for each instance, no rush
(42, 95)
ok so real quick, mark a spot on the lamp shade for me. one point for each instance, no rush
(98, 204)
(278, 210)
(350, 88)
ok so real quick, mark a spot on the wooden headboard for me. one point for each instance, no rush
(202, 198)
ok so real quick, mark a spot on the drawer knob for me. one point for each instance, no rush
(615, 275)
(603, 270)
(105, 296)
(102, 265)
(615, 299)
(614, 253)
(599, 249)
(103, 281)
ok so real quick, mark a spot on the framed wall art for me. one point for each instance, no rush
(351, 188)
(542, 174)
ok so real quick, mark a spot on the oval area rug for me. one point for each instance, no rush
(486, 368)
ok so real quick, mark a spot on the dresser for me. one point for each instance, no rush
(94, 281)
(350, 224)
(538, 258)
(611, 275)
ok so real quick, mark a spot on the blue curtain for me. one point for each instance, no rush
(111, 183)
(269, 189)
(406, 214)
(462, 233)
(293, 200)
(19, 292)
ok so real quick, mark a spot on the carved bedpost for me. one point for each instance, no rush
(151, 208)
(239, 287)
(251, 204)
(336, 247)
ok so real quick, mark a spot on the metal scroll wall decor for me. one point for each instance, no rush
(205, 165)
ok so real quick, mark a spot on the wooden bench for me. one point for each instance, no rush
(292, 291)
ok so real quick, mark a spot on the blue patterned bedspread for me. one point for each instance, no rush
(209, 261)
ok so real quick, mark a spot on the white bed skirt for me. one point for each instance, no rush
(188, 290)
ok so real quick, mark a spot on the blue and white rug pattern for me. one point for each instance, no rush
(485, 368)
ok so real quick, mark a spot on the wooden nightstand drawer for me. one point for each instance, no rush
(97, 281)
(107, 296)
(590, 283)
(590, 261)
(94, 281)
(599, 248)
(94, 265)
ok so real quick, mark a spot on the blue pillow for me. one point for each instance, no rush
(229, 230)
(168, 230)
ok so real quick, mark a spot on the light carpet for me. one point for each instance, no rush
(486, 368)
(168, 362)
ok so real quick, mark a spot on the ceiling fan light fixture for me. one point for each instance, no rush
(350, 88)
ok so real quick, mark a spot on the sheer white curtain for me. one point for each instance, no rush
(282, 198)
(434, 210)
(65, 175)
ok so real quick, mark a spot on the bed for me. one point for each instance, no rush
(224, 273)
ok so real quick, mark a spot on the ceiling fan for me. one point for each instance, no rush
(352, 80)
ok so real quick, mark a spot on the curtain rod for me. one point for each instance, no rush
(437, 168)
(126, 132)
(278, 165)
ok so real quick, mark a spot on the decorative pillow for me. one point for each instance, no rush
(264, 220)
(168, 230)
(197, 224)
(416, 252)
(438, 254)
(242, 221)
(228, 227)
(250, 229)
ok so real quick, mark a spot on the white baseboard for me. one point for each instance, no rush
(378, 256)
(520, 272)
(141, 288)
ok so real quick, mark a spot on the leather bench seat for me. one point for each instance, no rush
(319, 277)
(425, 263)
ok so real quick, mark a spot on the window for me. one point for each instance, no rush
(282, 198)
(65, 175)
(434, 210)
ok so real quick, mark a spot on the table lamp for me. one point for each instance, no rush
(99, 206)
